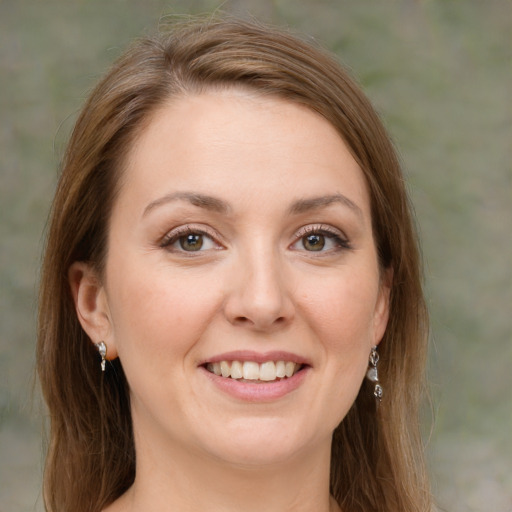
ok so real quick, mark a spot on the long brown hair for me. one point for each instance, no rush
(377, 455)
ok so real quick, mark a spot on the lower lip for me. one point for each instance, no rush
(257, 392)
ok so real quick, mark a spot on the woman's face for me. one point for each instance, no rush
(241, 244)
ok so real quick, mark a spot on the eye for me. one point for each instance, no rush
(189, 239)
(314, 242)
(320, 239)
(191, 242)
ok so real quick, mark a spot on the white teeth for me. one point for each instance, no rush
(236, 370)
(225, 369)
(214, 368)
(289, 368)
(268, 371)
(280, 369)
(250, 370)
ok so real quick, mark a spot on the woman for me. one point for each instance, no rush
(230, 252)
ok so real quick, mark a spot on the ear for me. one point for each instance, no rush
(91, 305)
(381, 314)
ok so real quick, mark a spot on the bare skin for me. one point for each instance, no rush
(241, 233)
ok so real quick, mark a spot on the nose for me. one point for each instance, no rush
(259, 293)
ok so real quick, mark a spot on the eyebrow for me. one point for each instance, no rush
(219, 206)
(202, 201)
(315, 203)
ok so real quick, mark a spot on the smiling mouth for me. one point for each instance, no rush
(253, 372)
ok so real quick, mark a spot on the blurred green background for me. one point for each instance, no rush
(439, 72)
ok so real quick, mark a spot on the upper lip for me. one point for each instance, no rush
(257, 357)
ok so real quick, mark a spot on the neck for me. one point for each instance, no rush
(182, 480)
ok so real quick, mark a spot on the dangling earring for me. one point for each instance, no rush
(102, 349)
(373, 375)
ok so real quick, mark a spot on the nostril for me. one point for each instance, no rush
(242, 320)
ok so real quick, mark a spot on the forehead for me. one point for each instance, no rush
(241, 144)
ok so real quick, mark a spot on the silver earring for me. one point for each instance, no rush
(102, 349)
(373, 375)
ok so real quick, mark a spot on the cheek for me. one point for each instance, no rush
(156, 315)
(341, 314)
(346, 306)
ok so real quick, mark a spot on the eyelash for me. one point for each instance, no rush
(340, 241)
(182, 231)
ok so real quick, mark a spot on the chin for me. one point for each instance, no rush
(257, 442)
